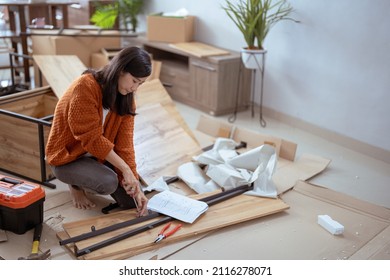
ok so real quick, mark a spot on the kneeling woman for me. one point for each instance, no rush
(90, 145)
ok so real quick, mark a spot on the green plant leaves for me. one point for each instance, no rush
(105, 16)
(126, 11)
(255, 18)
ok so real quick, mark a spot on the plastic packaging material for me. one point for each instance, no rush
(330, 225)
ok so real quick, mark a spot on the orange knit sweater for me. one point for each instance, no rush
(77, 127)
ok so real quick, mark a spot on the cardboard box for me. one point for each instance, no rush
(98, 60)
(74, 42)
(170, 29)
(82, 43)
(102, 58)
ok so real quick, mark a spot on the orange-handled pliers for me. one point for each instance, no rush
(162, 233)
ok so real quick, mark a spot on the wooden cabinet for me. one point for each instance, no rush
(217, 85)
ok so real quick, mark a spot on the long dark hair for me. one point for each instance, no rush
(133, 60)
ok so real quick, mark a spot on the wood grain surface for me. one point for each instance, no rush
(59, 70)
(161, 144)
(199, 49)
(232, 211)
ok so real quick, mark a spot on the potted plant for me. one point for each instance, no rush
(255, 18)
(126, 11)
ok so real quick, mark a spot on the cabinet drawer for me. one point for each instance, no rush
(175, 78)
(204, 84)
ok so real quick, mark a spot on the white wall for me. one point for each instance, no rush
(331, 70)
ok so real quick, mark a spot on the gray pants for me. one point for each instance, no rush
(88, 174)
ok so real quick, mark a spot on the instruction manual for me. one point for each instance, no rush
(177, 206)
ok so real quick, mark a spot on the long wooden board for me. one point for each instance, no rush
(153, 92)
(232, 211)
(59, 70)
(161, 145)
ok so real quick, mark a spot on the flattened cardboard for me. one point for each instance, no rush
(362, 222)
(208, 129)
(377, 248)
(294, 234)
(289, 170)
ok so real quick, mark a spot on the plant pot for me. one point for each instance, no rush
(253, 59)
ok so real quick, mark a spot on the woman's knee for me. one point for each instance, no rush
(107, 185)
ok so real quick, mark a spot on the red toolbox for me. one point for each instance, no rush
(21, 204)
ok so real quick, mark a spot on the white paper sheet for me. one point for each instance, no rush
(223, 149)
(262, 176)
(226, 176)
(177, 206)
(195, 178)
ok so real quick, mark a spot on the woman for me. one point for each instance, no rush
(90, 145)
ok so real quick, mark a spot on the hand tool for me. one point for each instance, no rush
(35, 246)
(162, 235)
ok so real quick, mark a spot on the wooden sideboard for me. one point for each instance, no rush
(217, 85)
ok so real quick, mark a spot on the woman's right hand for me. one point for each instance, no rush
(142, 204)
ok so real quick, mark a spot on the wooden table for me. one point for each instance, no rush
(19, 19)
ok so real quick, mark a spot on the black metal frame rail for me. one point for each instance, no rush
(210, 200)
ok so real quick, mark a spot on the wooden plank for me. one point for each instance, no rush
(156, 70)
(199, 49)
(161, 144)
(153, 92)
(233, 211)
(59, 70)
